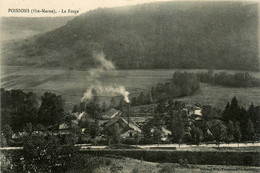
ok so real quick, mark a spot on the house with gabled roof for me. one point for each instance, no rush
(127, 128)
(194, 112)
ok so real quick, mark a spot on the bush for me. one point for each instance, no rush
(43, 153)
(49, 153)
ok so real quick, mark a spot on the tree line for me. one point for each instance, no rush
(19, 108)
(181, 84)
(238, 79)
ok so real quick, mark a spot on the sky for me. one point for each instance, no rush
(8, 7)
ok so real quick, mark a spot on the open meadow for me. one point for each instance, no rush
(71, 84)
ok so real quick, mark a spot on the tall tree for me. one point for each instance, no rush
(51, 111)
(234, 103)
(177, 127)
(254, 115)
(230, 131)
(226, 114)
(237, 132)
(196, 134)
(219, 131)
(18, 108)
(250, 131)
(30, 108)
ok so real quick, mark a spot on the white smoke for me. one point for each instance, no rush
(105, 65)
(96, 73)
(106, 90)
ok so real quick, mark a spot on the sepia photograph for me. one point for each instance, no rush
(129, 86)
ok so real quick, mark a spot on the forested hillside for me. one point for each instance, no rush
(221, 35)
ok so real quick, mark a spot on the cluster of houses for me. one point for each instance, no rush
(107, 122)
(128, 127)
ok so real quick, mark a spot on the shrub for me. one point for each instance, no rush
(43, 153)
(48, 153)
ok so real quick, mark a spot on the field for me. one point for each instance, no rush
(71, 84)
(129, 165)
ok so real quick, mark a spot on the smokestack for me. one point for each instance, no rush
(128, 113)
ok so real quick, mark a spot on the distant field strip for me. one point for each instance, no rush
(71, 84)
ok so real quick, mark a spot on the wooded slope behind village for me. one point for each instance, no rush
(157, 35)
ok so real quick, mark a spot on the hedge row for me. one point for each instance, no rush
(192, 157)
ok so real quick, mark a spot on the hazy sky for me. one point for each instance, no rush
(80, 5)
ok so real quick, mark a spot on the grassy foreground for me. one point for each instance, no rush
(128, 165)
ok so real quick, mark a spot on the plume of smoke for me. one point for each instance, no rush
(106, 90)
(95, 74)
(105, 65)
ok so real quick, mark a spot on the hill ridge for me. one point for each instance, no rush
(221, 35)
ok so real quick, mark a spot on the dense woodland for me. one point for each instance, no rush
(220, 35)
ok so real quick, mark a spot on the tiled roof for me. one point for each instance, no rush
(132, 125)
